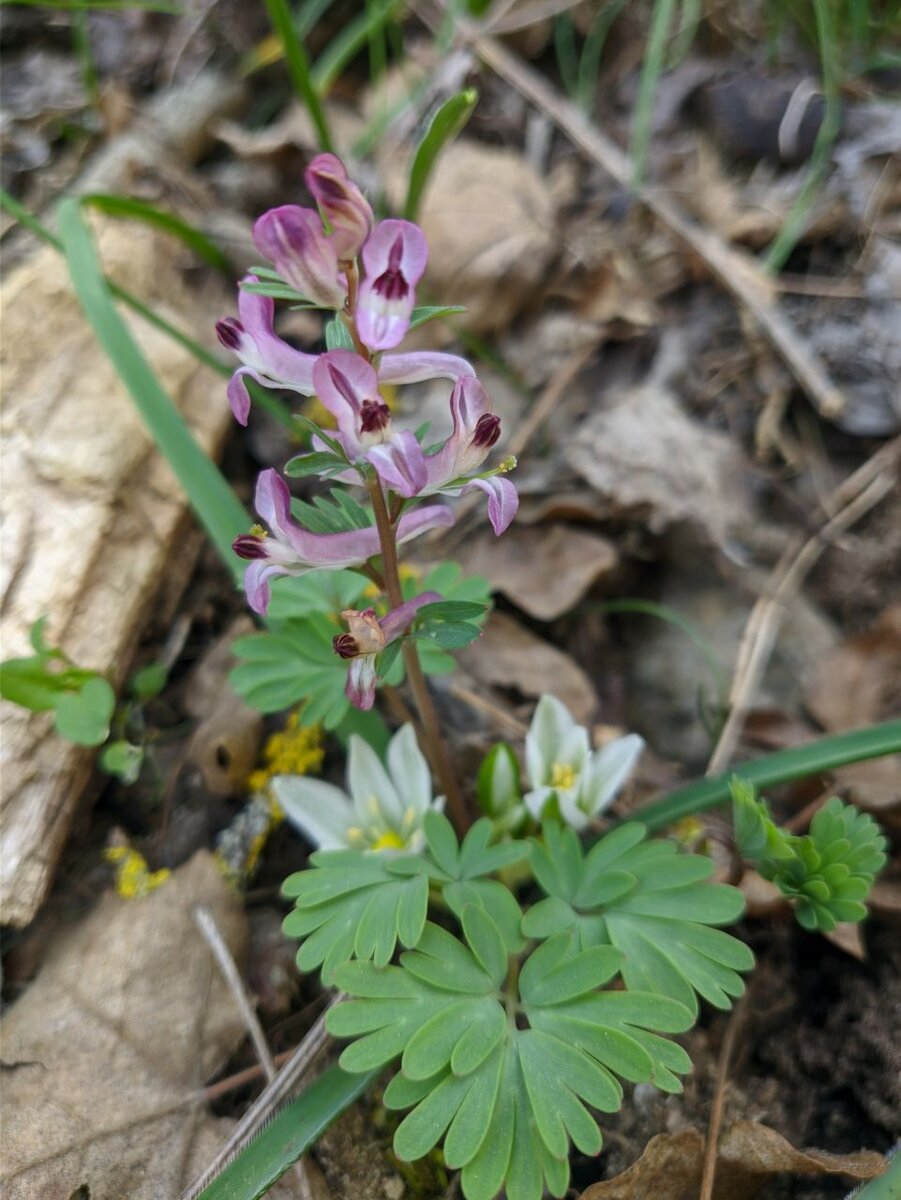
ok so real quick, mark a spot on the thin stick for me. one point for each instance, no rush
(267, 1102)
(849, 502)
(738, 273)
(708, 1171)
(435, 746)
(230, 973)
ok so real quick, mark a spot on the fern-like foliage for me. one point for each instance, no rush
(827, 873)
(358, 905)
(648, 900)
(504, 1070)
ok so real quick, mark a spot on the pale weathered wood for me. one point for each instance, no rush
(92, 516)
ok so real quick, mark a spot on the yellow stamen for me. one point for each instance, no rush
(259, 531)
(563, 775)
(389, 841)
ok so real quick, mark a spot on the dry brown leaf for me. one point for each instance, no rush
(509, 656)
(859, 683)
(490, 223)
(105, 1052)
(748, 1155)
(645, 453)
(571, 560)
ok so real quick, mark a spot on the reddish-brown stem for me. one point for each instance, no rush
(435, 746)
(352, 275)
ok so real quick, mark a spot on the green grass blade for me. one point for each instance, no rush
(443, 128)
(590, 59)
(651, 68)
(216, 505)
(299, 68)
(292, 1132)
(825, 754)
(884, 1187)
(791, 231)
(349, 42)
(140, 210)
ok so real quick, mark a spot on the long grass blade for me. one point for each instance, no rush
(651, 69)
(125, 206)
(349, 42)
(299, 68)
(214, 502)
(825, 754)
(289, 1136)
(443, 128)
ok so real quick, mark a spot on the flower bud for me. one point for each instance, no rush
(293, 240)
(342, 203)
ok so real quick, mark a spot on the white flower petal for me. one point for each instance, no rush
(536, 800)
(575, 749)
(369, 785)
(609, 769)
(550, 726)
(409, 770)
(322, 812)
(570, 811)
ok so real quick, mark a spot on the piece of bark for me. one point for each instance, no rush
(92, 514)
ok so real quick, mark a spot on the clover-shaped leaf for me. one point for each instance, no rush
(651, 902)
(507, 1095)
(351, 906)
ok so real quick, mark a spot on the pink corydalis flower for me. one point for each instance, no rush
(264, 356)
(348, 387)
(286, 548)
(341, 203)
(293, 240)
(476, 428)
(394, 256)
(367, 636)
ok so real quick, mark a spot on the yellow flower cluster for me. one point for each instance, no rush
(134, 879)
(294, 750)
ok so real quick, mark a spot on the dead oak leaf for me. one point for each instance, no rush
(571, 560)
(111, 1043)
(748, 1155)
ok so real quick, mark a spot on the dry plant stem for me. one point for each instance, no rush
(207, 926)
(435, 746)
(850, 501)
(284, 1083)
(738, 273)
(708, 1170)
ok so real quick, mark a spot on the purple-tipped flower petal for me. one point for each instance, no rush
(289, 549)
(395, 256)
(366, 638)
(264, 356)
(503, 500)
(293, 240)
(342, 203)
(418, 365)
(348, 387)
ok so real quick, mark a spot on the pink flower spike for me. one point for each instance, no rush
(475, 430)
(341, 202)
(293, 240)
(264, 356)
(289, 549)
(366, 638)
(348, 387)
(395, 256)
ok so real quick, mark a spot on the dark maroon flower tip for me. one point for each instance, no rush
(248, 545)
(374, 416)
(345, 645)
(229, 331)
(391, 284)
(487, 430)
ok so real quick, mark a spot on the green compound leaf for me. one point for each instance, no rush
(828, 872)
(507, 1100)
(460, 871)
(350, 906)
(648, 900)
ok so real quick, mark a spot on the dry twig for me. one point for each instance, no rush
(708, 1171)
(850, 501)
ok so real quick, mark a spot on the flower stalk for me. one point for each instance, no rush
(435, 745)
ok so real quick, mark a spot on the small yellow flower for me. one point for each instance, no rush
(134, 879)
(295, 750)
